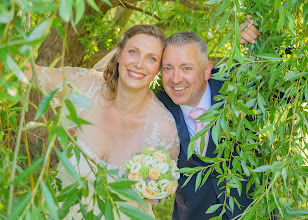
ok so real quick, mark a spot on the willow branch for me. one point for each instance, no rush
(133, 7)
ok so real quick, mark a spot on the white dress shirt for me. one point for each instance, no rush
(204, 103)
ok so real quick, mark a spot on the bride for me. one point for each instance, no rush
(126, 116)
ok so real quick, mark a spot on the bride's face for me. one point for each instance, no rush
(139, 61)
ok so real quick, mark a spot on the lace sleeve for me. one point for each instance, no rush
(87, 82)
(160, 129)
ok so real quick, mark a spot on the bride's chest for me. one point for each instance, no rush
(112, 138)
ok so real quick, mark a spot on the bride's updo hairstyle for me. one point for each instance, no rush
(111, 73)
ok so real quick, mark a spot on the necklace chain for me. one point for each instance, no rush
(122, 115)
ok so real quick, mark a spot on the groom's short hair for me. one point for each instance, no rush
(182, 38)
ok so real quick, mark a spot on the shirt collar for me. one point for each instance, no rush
(204, 103)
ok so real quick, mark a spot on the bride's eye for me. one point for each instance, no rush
(152, 59)
(132, 52)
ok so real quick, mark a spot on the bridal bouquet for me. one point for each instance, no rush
(155, 174)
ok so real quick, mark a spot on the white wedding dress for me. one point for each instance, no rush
(158, 129)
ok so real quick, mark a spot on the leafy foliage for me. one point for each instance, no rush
(260, 126)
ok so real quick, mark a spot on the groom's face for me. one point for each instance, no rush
(185, 73)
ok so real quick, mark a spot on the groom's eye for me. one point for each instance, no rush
(187, 68)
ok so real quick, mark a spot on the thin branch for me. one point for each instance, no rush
(133, 7)
(190, 4)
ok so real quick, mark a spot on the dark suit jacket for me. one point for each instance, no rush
(188, 203)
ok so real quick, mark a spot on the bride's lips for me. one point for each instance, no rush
(135, 75)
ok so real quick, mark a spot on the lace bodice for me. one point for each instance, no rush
(158, 129)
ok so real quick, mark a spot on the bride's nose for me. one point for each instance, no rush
(139, 62)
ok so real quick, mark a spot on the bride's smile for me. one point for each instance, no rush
(139, 61)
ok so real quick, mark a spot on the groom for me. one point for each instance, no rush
(186, 79)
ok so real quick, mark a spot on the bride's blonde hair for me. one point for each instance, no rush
(111, 73)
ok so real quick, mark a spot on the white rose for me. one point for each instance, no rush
(135, 176)
(148, 193)
(163, 168)
(129, 164)
(171, 188)
(140, 186)
(160, 156)
(161, 195)
(135, 167)
(175, 174)
(163, 183)
(152, 185)
(155, 162)
(147, 160)
(138, 158)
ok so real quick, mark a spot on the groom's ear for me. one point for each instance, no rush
(207, 70)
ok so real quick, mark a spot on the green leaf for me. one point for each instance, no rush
(265, 129)
(12, 65)
(210, 2)
(225, 39)
(134, 213)
(213, 208)
(268, 56)
(93, 5)
(187, 180)
(122, 184)
(224, 19)
(107, 2)
(68, 166)
(284, 175)
(80, 101)
(109, 210)
(277, 4)
(248, 125)
(224, 6)
(262, 168)
(43, 106)
(66, 10)
(80, 8)
(275, 75)
(206, 176)
(40, 31)
(245, 169)
(298, 212)
(291, 20)
(49, 201)
(281, 20)
(237, 5)
(237, 37)
(261, 102)
(231, 204)
(128, 193)
(27, 172)
(198, 180)
(19, 207)
(33, 125)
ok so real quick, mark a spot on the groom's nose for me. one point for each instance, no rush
(176, 76)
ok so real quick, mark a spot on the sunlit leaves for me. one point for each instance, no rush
(12, 65)
(134, 213)
(43, 106)
(49, 201)
(39, 31)
(66, 10)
